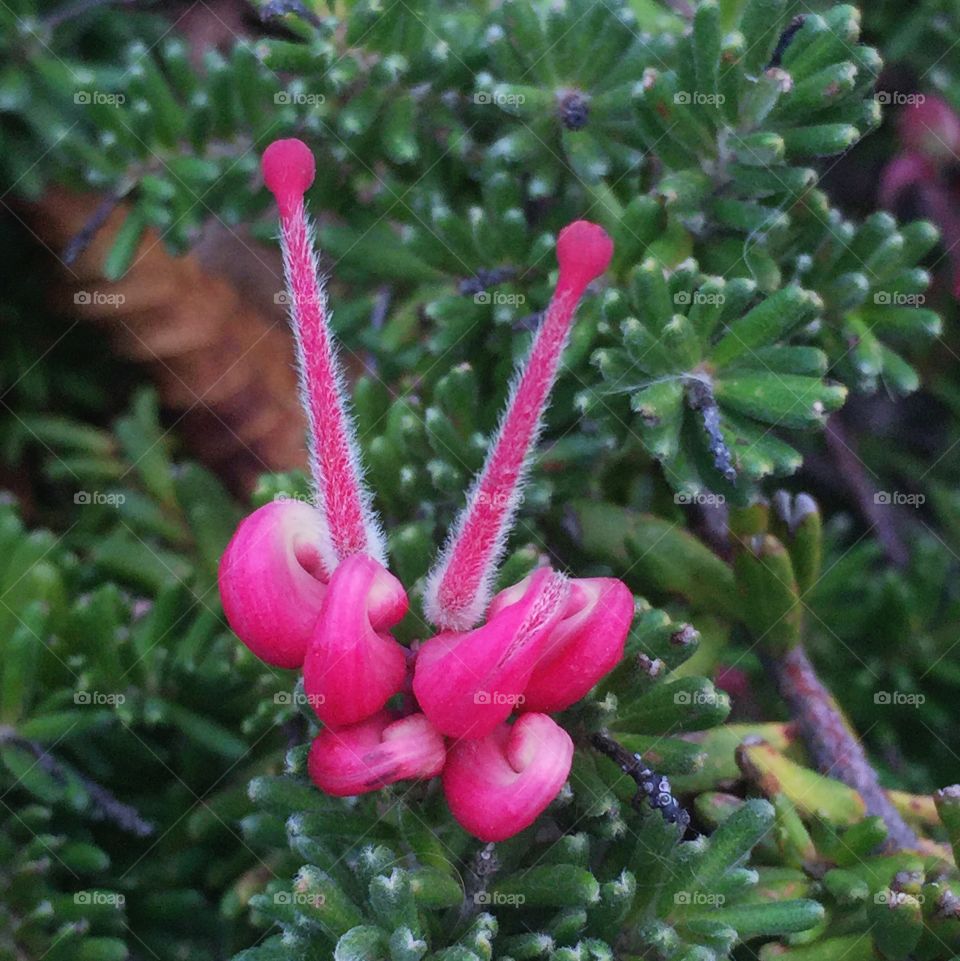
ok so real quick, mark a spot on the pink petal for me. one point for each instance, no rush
(499, 785)
(469, 683)
(353, 667)
(272, 581)
(585, 645)
(932, 127)
(374, 753)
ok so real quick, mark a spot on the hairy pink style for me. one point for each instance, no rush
(288, 171)
(459, 586)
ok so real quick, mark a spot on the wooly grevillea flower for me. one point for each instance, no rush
(306, 585)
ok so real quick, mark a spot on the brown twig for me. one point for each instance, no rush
(833, 746)
(105, 806)
(220, 354)
(843, 449)
(84, 237)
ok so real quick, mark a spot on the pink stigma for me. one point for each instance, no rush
(460, 585)
(584, 251)
(288, 171)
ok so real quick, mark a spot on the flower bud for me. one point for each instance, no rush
(467, 683)
(585, 645)
(500, 784)
(353, 667)
(374, 753)
(272, 581)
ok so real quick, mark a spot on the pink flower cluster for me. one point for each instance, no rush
(306, 586)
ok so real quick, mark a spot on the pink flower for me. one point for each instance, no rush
(468, 683)
(585, 644)
(272, 581)
(353, 667)
(500, 784)
(374, 753)
(307, 586)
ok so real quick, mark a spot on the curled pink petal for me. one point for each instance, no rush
(499, 785)
(353, 667)
(585, 645)
(467, 683)
(459, 585)
(272, 581)
(374, 753)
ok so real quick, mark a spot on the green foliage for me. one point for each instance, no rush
(706, 372)
(130, 720)
(743, 304)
